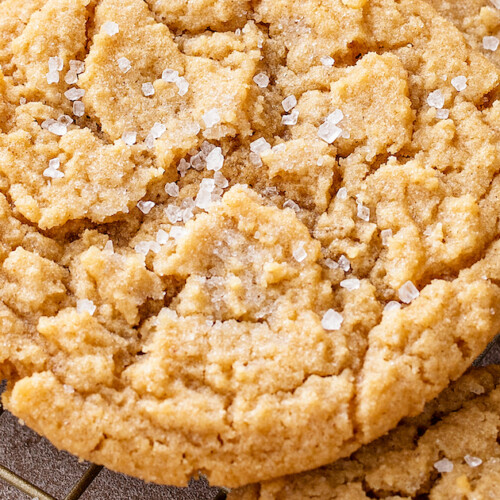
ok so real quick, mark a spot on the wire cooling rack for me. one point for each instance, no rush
(89, 482)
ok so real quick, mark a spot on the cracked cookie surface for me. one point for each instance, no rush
(449, 451)
(479, 20)
(242, 245)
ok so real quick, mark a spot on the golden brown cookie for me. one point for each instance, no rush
(449, 451)
(246, 244)
(479, 20)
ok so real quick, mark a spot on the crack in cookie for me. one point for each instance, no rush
(450, 449)
(242, 243)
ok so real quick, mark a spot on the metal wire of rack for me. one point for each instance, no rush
(77, 489)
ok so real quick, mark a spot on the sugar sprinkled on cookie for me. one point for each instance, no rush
(332, 320)
(460, 83)
(124, 64)
(211, 118)
(491, 43)
(110, 28)
(262, 80)
(282, 209)
(408, 292)
(85, 306)
(436, 99)
(449, 450)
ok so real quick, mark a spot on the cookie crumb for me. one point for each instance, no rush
(177, 232)
(477, 389)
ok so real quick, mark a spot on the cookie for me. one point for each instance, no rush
(479, 20)
(449, 451)
(241, 245)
